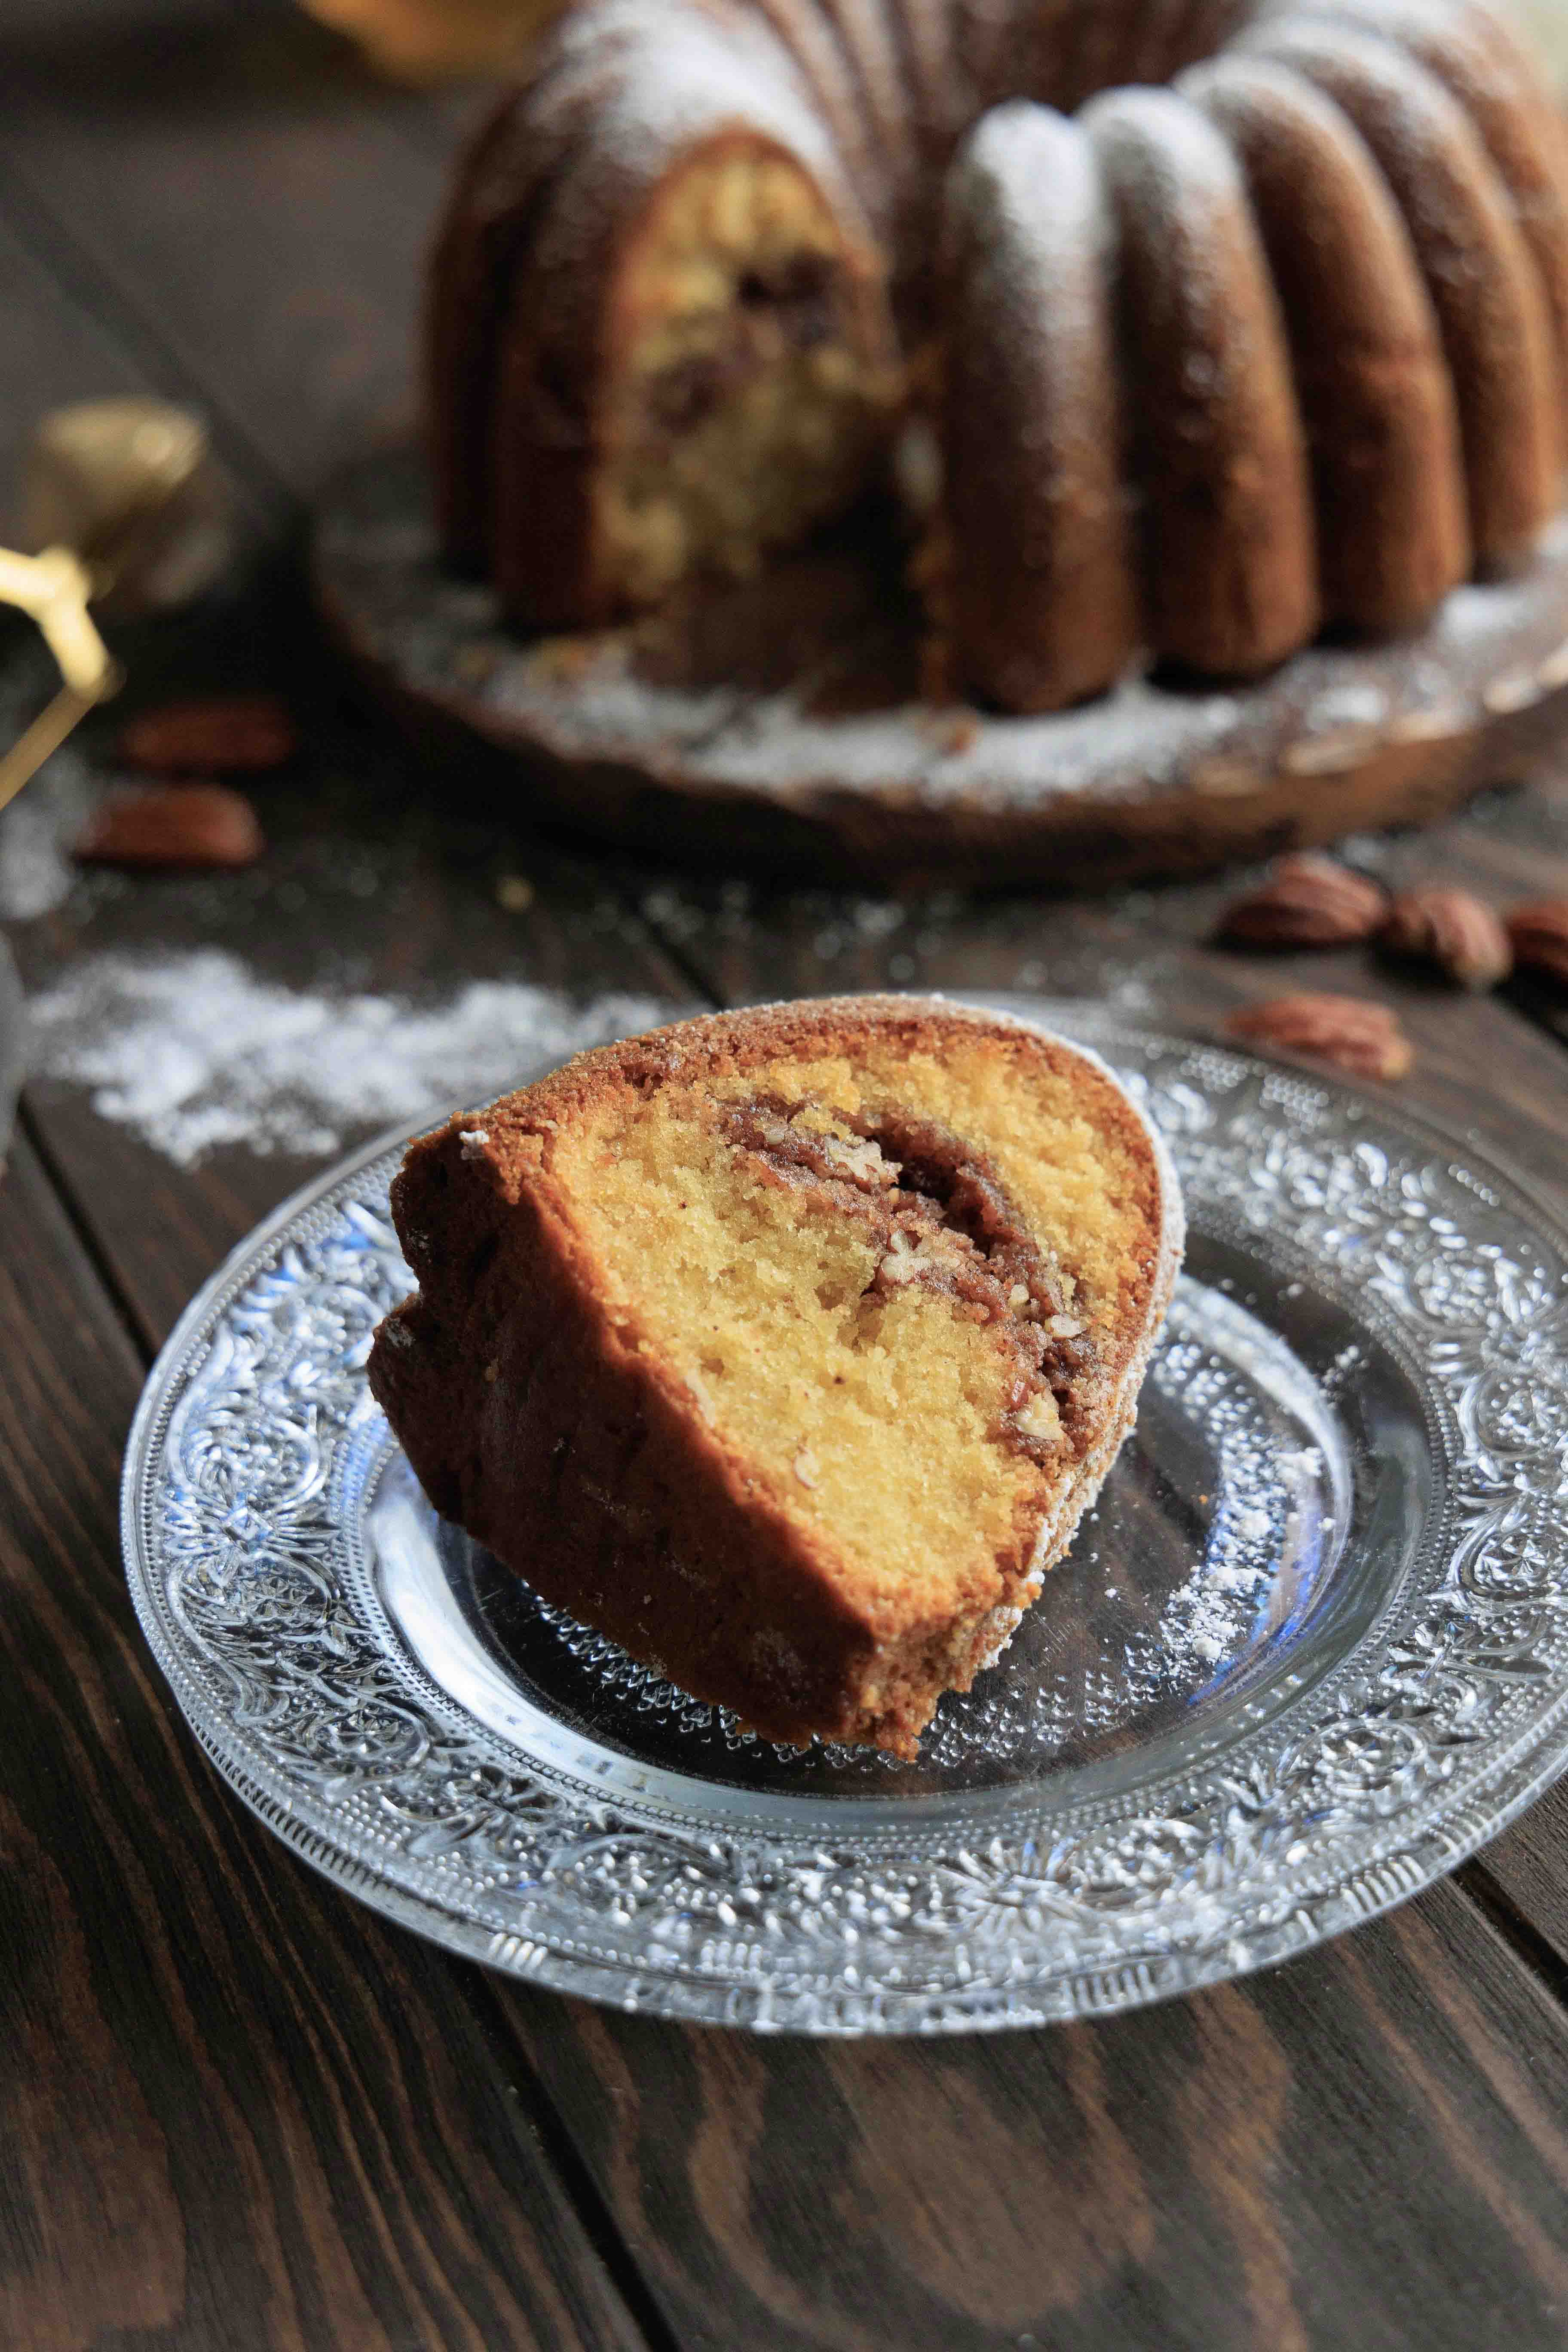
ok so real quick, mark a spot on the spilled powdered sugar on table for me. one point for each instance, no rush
(198, 1052)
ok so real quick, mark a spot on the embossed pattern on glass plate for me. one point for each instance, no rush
(1433, 1709)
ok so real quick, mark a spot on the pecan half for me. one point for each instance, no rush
(1453, 929)
(1539, 933)
(1347, 1032)
(224, 736)
(1307, 901)
(174, 825)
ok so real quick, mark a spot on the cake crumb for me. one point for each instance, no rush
(807, 1469)
(1039, 1418)
(473, 1141)
(898, 1265)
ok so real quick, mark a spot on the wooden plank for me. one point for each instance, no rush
(56, 352)
(248, 198)
(61, 277)
(236, 2108)
(1365, 2148)
(1523, 1880)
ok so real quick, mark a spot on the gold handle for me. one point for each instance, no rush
(55, 590)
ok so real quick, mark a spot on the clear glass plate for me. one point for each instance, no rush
(1311, 1650)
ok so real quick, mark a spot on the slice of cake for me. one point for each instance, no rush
(787, 1348)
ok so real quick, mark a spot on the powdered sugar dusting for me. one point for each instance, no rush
(689, 77)
(198, 1052)
(1208, 1621)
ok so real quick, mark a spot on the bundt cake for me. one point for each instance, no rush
(787, 1348)
(1224, 320)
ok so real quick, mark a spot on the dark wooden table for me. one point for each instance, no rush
(237, 2111)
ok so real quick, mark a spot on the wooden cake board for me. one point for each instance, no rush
(777, 724)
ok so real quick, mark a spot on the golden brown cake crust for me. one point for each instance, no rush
(1376, 394)
(539, 1416)
(1230, 562)
(1473, 52)
(483, 242)
(1040, 586)
(1488, 296)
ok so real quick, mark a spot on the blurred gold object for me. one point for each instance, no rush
(123, 508)
(422, 41)
(133, 486)
(54, 590)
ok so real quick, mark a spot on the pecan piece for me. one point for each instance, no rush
(1453, 929)
(1347, 1032)
(174, 825)
(225, 735)
(1307, 901)
(1539, 934)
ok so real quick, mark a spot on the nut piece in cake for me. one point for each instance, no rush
(787, 1348)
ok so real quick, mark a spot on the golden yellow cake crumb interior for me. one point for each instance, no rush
(746, 411)
(873, 1418)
